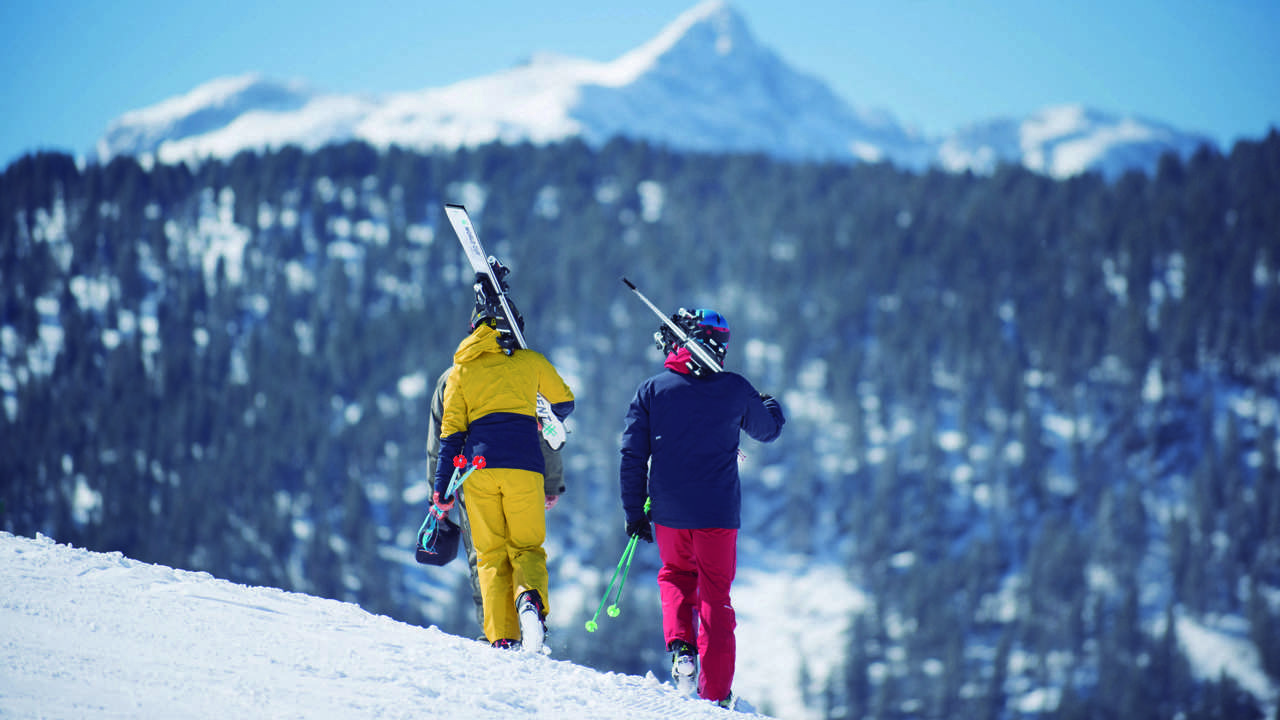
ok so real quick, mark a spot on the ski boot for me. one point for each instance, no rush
(684, 667)
(533, 628)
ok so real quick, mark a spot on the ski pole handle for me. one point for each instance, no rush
(460, 477)
(453, 479)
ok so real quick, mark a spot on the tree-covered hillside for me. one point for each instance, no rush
(1036, 420)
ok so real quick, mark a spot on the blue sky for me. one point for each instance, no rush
(1212, 66)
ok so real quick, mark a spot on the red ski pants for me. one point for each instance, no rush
(698, 567)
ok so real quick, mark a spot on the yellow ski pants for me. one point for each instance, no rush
(508, 518)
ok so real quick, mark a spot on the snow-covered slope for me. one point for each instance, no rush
(704, 83)
(86, 634)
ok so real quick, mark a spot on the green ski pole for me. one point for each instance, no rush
(624, 566)
(613, 610)
(623, 569)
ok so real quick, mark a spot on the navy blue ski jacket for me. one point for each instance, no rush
(680, 447)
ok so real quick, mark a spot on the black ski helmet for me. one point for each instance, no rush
(488, 308)
(490, 314)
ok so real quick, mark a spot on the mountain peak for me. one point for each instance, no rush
(712, 28)
(703, 83)
(713, 23)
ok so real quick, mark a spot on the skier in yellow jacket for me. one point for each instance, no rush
(490, 410)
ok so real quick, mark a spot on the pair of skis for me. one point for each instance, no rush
(553, 431)
(682, 337)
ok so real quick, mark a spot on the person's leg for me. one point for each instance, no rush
(524, 506)
(716, 551)
(677, 584)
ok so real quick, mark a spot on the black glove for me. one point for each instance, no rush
(641, 529)
(765, 397)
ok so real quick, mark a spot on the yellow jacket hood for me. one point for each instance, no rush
(482, 340)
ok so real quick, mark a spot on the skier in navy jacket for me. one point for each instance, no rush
(680, 451)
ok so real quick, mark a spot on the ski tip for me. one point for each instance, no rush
(454, 205)
(627, 282)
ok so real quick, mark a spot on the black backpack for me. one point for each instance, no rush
(438, 542)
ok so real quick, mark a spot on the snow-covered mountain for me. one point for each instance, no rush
(209, 111)
(1066, 140)
(704, 83)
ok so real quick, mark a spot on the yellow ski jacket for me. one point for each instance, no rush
(490, 405)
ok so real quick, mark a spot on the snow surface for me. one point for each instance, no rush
(86, 634)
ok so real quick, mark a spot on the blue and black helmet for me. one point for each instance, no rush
(707, 327)
(712, 330)
(711, 326)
